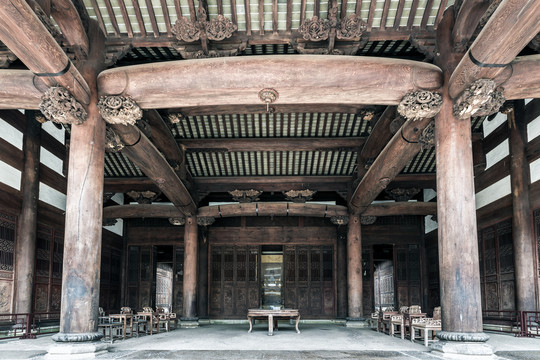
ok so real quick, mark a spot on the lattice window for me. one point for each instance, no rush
(302, 265)
(489, 251)
(506, 248)
(290, 257)
(43, 246)
(241, 265)
(253, 261)
(216, 264)
(401, 265)
(414, 263)
(315, 265)
(58, 255)
(328, 264)
(7, 241)
(228, 266)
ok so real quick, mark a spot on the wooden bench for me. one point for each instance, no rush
(273, 316)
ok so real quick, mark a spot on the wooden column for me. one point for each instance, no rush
(458, 243)
(522, 232)
(82, 241)
(190, 270)
(341, 275)
(25, 247)
(354, 268)
(202, 296)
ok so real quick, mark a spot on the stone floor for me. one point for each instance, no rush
(231, 341)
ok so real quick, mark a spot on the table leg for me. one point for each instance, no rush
(297, 321)
(250, 319)
(125, 327)
(270, 325)
(412, 333)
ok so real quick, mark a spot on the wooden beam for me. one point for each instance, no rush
(397, 153)
(68, 19)
(267, 209)
(520, 78)
(19, 91)
(163, 138)
(274, 144)
(469, 14)
(508, 31)
(25, 35)
(124, 185)
(299, 79)
(272, 183)
(147, 157)
(261, 108)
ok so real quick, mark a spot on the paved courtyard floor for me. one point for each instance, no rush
(316, 341)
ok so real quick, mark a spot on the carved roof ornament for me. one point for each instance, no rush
(427, 139)
(396, 124)
(205, 220)
(245, 196)
(269, 96)
(315, 29)
(481, 98)
(119, 110)
(420, 104)
(59, 106)
(143, 197)
(112, 141)
(401, 194)
(339, 220)
(177, 221)
(351, 27)
(367, 220)
(299, 196)
(176, 118)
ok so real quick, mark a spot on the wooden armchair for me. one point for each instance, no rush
(111, 327)
(425, 325)
(385, 316)
(167, 316)
(397, 321)
(153, 319)
(374, 319)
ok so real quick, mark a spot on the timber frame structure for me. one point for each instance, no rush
(223, 132)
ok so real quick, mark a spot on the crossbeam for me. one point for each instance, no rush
(299, 79)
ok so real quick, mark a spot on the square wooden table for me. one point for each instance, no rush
(272, 316)
(124, 318)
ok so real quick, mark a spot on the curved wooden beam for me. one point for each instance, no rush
(508, 31)
(19, 91)
(523, 83)
(298, 79)
(267, 209)
(24, 34)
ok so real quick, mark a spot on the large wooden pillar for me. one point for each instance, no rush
(341, 275)
(354, 269)
(189, 313)
(84, 207)
(25, 247)
(458, 244)
(522, 229)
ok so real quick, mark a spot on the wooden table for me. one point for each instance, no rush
(150, 316)
(124, 318)
(273, 316)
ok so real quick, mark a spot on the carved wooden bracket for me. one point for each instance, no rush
(112, 141)
(119, 110)
(400, 194)
(368, 220)
(143, 197)
(177, 221)
(299, 196)
(339, 220)
(427, 139)
(420, 104)
(481, 98)
(217, 29)
(332, 28)
(59, 106)
(205, 220)
(245, 196)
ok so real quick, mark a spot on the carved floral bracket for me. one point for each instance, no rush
(332, 28)
(59, 106)
(202, 29)
(245, 196)
(481, 98)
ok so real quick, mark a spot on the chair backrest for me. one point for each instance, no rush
(101, 312)
(126, 310)
(148, 309)
(437, 313)
(415, 309)
(403, 309)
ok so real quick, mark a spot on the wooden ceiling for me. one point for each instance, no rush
(276, 149)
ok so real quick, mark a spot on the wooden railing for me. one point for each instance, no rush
(28, 325)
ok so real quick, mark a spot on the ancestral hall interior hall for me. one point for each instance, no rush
(206, 158)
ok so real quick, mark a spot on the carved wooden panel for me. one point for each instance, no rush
(40, 297)
(508, 297)
(56, 297)
(7, 240)
(5, 296)
(492, 293)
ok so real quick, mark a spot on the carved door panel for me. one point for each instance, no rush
(234, 285)
(309, 280)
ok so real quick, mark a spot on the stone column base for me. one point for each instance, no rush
(356, 323)
(463, 344)
(189, 323)
(82, 350)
